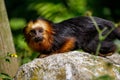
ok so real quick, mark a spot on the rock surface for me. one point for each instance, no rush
(73, 65)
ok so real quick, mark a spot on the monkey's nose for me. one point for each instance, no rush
(37, 39)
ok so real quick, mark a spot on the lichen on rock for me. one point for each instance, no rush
(73, 65)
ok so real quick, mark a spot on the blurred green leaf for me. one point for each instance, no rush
(117, 42)
(106, 11)
(78, 6)
(5, 76)
(26, 60)
(17, 23)
(104, 77)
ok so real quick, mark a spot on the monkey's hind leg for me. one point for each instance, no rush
(107, 48)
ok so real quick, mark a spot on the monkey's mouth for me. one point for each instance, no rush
(38, 39)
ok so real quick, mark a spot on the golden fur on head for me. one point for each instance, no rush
(38, 24)
(46, 34)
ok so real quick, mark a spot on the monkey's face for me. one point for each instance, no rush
(36, 35)
(38, 31)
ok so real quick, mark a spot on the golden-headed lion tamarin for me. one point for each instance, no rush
(49, 38)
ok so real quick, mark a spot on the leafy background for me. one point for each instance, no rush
(22, 11)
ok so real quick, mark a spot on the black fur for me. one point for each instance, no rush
(83, 29)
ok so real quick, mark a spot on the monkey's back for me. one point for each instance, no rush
(83, 29)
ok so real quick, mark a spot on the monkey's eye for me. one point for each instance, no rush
(32, 32)
(40, 30)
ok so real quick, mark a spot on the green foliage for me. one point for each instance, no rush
(104, 77)
(78, 7)
(105, 9)
(17, 23)
(4, 76)
(117, 42)
(57, 11)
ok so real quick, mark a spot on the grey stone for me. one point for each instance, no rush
(73, 65)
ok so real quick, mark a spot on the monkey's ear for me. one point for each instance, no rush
(25, 33)
(24, 30)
